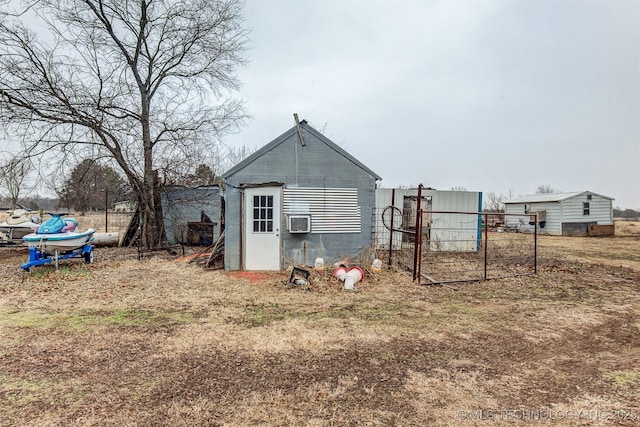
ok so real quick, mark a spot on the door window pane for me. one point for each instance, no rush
(263, 214)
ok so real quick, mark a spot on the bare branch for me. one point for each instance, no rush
(13, 174)
(144, 82)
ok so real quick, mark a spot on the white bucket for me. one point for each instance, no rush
(340, 272)
(352, 277)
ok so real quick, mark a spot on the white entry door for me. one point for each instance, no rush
(262, 228)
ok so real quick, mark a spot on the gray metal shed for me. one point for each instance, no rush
(192, 215)
(298, 198)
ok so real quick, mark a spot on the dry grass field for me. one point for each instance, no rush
(162, 342)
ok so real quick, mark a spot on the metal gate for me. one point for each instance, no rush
(441, 247)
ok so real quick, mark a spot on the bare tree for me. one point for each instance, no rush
(494, 202)
(546, 189)
(235, 155)
(13, 174)
(145, 83)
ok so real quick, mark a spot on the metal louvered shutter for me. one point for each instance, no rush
(332, 210)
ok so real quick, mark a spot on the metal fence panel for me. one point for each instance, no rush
(457, 246)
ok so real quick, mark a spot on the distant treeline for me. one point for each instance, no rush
(34, 203)
(626, 214)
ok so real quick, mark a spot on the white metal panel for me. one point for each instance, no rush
(455, 232)
(451, 232)
(332, 210)
(456, 201)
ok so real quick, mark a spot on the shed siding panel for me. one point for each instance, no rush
(233, 234)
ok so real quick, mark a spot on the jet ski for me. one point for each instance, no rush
(19, 223)
(58, 235)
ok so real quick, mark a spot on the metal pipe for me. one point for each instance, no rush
(473, 280)
(106, 210)
(415, 241)
(393, 205)
(535, 245)
(486, 245)
(419, 239)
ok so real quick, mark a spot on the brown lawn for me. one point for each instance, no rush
(163, 342)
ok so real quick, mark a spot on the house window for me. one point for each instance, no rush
(588, 196)
(263, 214)
(585, 209)
(527, 208)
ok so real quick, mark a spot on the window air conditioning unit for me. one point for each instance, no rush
(542, 218)
(299, 223)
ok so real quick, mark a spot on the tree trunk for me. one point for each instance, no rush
(151, 218)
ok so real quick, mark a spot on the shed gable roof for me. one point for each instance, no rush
(284, 137)
(557, 197)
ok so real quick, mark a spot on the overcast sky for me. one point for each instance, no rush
(489, 95)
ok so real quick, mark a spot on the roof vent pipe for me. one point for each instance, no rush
(295, 116)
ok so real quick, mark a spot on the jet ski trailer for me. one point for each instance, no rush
(37, 257)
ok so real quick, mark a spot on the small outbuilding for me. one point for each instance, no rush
(564, 214)
(298, 198)
(192, 215)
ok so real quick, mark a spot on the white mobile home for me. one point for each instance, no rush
(564, 214)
